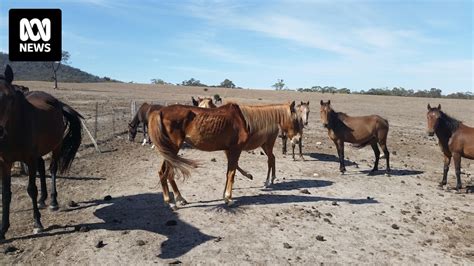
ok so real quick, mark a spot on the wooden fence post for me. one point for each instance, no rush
(96, 122)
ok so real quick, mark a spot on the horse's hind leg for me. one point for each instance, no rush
(457, 167)
(245, 173)
(178, 197)
(293, 150)
(268, 149)
(53, 168)
(44, 189)
(232, 164)
(163, 173)
(33, 193)
(6, 197)
(447, 161)
(377, 157)
(386, 153)
(144, 134)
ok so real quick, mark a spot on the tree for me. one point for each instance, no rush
(193, 82)
(158, 81)
(279, 85)
(65, 56)
(227, 84)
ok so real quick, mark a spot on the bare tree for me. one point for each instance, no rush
(57, 64)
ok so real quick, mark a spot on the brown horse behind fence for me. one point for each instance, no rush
(455, 139)
(141, 117)
(359, 130)
(31, 127)
(230, 128)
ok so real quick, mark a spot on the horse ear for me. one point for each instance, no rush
(429, 107)
(329, 102)
(321, 102)
(439, 106)
(8, 74)
(307, 103)
(302, 102)
(292, 106)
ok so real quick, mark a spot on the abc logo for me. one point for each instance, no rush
(35, 35)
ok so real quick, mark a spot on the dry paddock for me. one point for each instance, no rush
(311, 215)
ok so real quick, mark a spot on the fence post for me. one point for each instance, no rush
(133, 109)
(96, 122)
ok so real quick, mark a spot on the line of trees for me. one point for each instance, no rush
(227, 83)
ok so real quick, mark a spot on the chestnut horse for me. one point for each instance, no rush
(231, 128)
(455, 139)
(141, 117)
(302, 110)
(359, 130)
(31, 127)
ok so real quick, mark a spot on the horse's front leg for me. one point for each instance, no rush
(33, 193)
(447, 161)
(340, 153)
(44, 189)
(457, 167)
(300, 146)
(293, 150)
(5, 169)
(232, 164)
(284, 139)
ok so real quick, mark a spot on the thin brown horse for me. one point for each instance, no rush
(141, 117)
(31, 127)
(455, 139)
(231, 128)
(302, 111)
(359, 130)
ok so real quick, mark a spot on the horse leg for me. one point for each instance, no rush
(232, 164)
(6, 197)
(457, 167)
(300, 146)
(271, 163)
(178, 197)
(44, 189)
(53, 168)
(386, 153)
(33, 193)
(244, 173)
(340, 153)
(284, 138)
(163, 173)
(293, 150)
(447, 161)
(144, 134)
(377, 157)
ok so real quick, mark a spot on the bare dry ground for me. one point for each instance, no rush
(311, 215)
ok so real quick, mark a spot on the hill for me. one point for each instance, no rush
(41, 71)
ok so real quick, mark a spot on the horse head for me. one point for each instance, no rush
(433, 117)
(325, 112)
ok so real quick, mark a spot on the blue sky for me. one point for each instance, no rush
(342, 43)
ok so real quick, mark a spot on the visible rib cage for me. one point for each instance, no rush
(265, 119)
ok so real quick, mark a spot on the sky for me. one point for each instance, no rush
(343, 43)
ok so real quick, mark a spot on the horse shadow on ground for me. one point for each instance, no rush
(146, 212)
(298, 184)
(394, 172)
(328, 158)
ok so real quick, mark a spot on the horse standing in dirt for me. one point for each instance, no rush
(231, 128)
(302, 111)
(31, 127)
(455, 139)
(359, 130)
(141, 117)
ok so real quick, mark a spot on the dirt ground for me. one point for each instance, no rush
(312, 214)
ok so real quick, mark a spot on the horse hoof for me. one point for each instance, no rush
(229, 202)
(41, 205)
(53, 207)
(38, 230)
(182, 201)
(388, 174)
(250, 177)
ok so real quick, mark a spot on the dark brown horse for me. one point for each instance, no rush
(230, 128)
(455, 139)
(302, 110)
(31, 127)
(359, 130)
(141, 117)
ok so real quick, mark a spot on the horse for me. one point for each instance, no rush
(455, 139)
(359, 130)
(31, 127)
(302, 110)
(205, 102)
(230, 127)
(141, 117)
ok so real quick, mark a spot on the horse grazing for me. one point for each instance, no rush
(231, 128)
(359, 130)
(141, 117)
(31, 127)
(455, 139)
(302, 110)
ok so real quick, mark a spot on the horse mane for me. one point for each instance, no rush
(336, 118)
(451, 123)
(265, 118)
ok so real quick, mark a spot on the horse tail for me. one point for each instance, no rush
(165, 146)
(72, 138)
